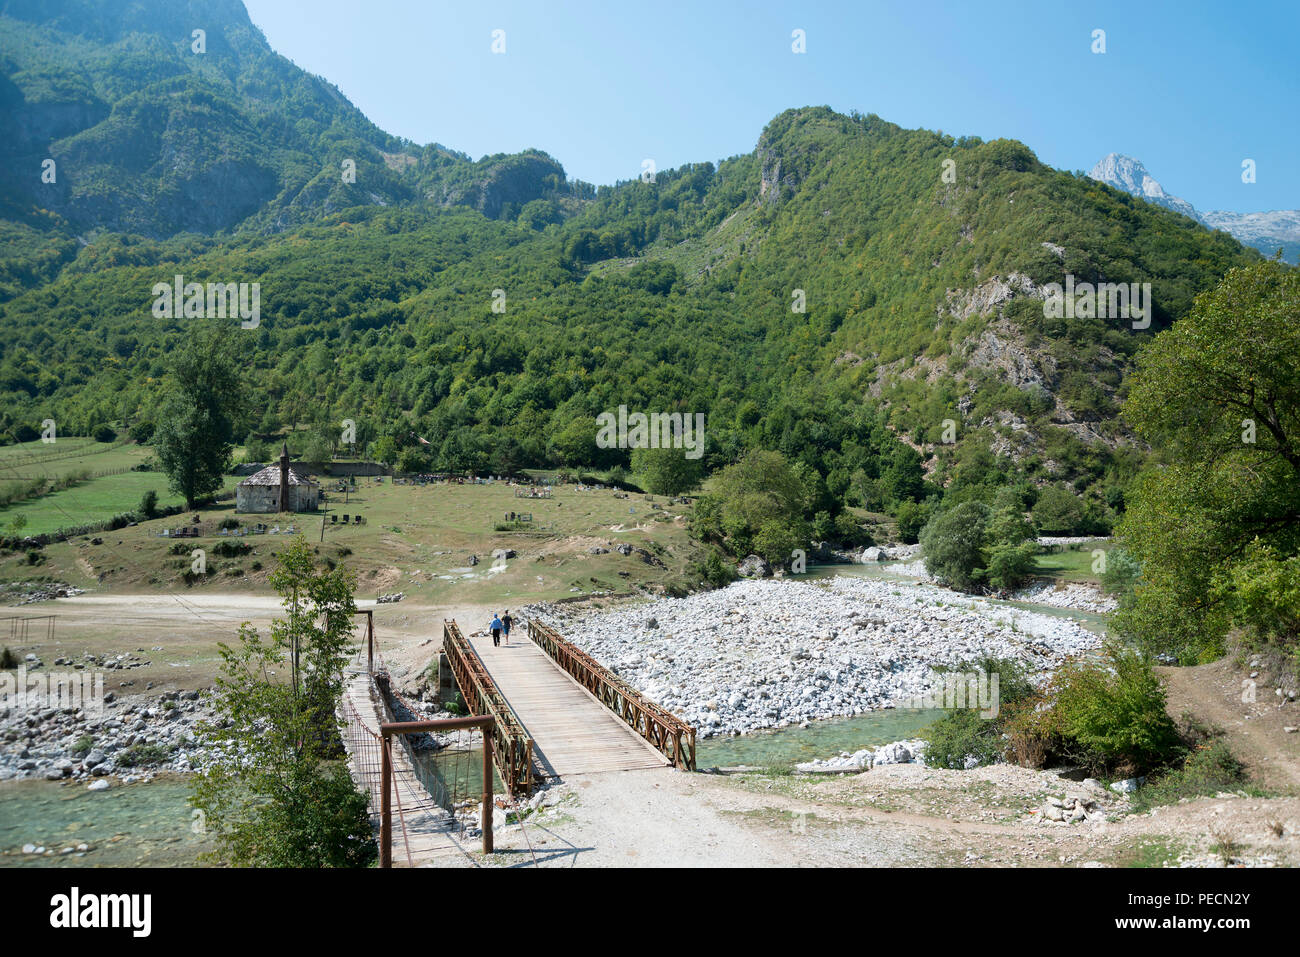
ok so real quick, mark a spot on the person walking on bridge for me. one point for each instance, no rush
(506, 622)
(496, 631)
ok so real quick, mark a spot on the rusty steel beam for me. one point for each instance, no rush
(512, 748)
(671, 736)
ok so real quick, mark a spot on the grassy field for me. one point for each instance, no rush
(1072, 565)
(94, 500)
(417, 540)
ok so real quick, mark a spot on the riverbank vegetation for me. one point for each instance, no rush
(281, 794)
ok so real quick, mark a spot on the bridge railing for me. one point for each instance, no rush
(674, 738)
(512, 748)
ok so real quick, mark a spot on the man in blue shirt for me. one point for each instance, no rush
(496, 631)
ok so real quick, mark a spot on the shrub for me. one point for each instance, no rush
(141, 756)
(849, 532)
(149, 504)
(1058, 511)
(1010, 566)
(229, 523)
(1209, 768)
(715, 570)
(105, 433)
(8, 660)
(229, 549)
(911, 518)
(1121, 574)
(1112, 715)
(963, 733)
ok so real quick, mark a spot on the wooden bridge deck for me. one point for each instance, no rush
(572, 732)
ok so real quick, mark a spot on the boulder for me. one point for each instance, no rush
(874, 554)
(755, 567)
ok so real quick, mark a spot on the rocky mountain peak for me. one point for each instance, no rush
(1128, 174)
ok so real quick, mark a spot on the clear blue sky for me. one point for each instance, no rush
(1191, 88)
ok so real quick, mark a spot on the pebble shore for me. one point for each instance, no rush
(768, 654)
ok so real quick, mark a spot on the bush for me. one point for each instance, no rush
(141, 756)
(1121, 574)
(963, 733)
(715, 570)
(142, 432)
(149, 504)
(8, 660)
(1058, 511)
(229, 549)
(1110, 715)
(849, 533)
(1209, 768)
(1010, 566)
(229, 523)
(105, 433)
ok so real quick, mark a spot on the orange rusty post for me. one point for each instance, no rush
(485, 723)
(385, 805)
(487, 787)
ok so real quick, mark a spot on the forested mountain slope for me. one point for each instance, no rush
(845, 293)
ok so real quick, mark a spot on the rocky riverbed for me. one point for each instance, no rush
(134, 738)
(1077, 595)
(767, 654)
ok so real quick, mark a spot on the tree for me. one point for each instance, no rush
(759, 494)
(1058, 511)
(666, 471)
(1215, 525)
(953, 544)
(189, 450)
(197, 420)
(279, 797)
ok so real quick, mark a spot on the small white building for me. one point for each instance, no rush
(277, 488)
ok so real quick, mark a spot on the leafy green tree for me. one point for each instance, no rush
(1215, 525)
(667, 471)
(953, 545)
(1115, 714)
(280, 797)
(149, 504)
(197, 421)
(760, 495)
(190, 450)
(1008, 526)
(1058, 511)
(1010, 566)
(911, 518)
